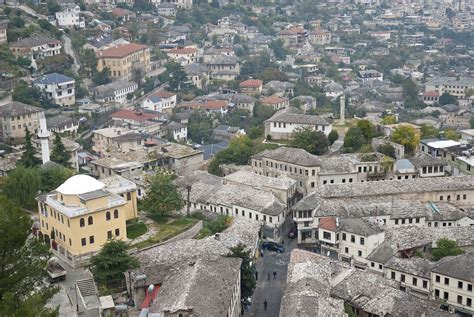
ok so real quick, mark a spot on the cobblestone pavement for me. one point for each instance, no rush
(271, 290)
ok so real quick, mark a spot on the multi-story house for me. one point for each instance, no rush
(36, 47)
(161, 101)
(58, 88)
(70, 17)
(251, 86)
(117, 91)
(113, 140)
(452, 283)
(82, 214)
(285, 122)
(223, 63)
(293, 37)
(275, 102)
(184, 56)
(183, 4)
(369, 75)
(453, 86)
(319, 37)
(244, 102)
(175, 131)
(134, 119)
(123, 61)
(3, 31)
(15, 118)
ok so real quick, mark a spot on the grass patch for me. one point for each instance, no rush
(136, 229)
(166, 229)
(211, 227)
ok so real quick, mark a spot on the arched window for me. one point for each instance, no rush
(82, 223)
(116, 214)
(107, 215)
(90, 220)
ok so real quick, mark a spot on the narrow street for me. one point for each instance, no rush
(70, 51)
(271, 290)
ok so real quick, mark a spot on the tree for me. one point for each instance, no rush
(445, 247)
(53, 7)
(446, 99)
(389, 119)
(471, 122)
(410, 91)
(22, 290)
(314, 142)
(200, 127)
(26, 94)
(111, 262)
(452, 134)
(278, 49)
(354, 139)
(59, 153)
(428, 131)
(333, 136)
(28, 158)
(407, 136)
(102, 77)
(22, 185)
(162, 196)
(387, 149)
(53, 176)
(247, 271)
(367, 128)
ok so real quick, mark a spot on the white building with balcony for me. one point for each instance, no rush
(70, 17)
(58, 88)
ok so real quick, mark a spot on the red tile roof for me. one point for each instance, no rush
(431, 94)
(215, 104)
(273, 100)
(327, 223)
(251, 83)
(134, 115)
(164, 94)
(121, 50)
(119, 12)
(186, 50)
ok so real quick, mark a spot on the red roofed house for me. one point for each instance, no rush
(215, 106)
(293, 37)
(123, 14)
(134, 118)
(184, 56)
(161, 101)
(431, 97)
(125, 60)
(251, 86)
(275, 102)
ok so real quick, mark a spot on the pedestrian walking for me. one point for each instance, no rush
(274, 274)
(268, 276)
(256, 275)
(265, 304)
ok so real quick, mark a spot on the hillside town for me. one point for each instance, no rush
(236, 158)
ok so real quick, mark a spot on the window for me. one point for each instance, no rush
(250, 215)
(393, 275)
(107, 215)
(402, 277)
(396, 221)
(326, 235)
(271, 219)
(438, 279)
(90, 220)
(446, 281)
(372, 264)
(353, 239)
(380, 267)
(468, 302)
(116, 214)
(460, 285)
(446, 295)
(109, 234)
(440, 197)
(459, 299)
(117, 232)
(70, 241)
(417, 220)
(243, 212)
(436, 293)
(83, 241)
(469, 287)
(82, 223)
(359, 253)
(129, 196)
(464, 196)
(344, 236)
(362, 241)
(346, 250)
(425, 284)
(91, 239)
(415, 281)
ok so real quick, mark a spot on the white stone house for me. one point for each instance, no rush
(58, 88)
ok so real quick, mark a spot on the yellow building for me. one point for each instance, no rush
(123, 60)
(82, 214)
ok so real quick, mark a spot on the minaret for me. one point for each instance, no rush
(43, 135)
(342, 106)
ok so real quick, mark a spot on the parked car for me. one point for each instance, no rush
(56, 271)
(293, 232)
(272, 246)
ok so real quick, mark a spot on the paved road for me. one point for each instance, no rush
(271, 290)
(70, 51)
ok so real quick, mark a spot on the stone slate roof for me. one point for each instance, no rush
(290, 155)
(297, 116)
(424, 159)
(59, 121)
(415, 266)
(35, 41)
(53, 78)
(16, 108)
(360, 226)
(459, 267)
